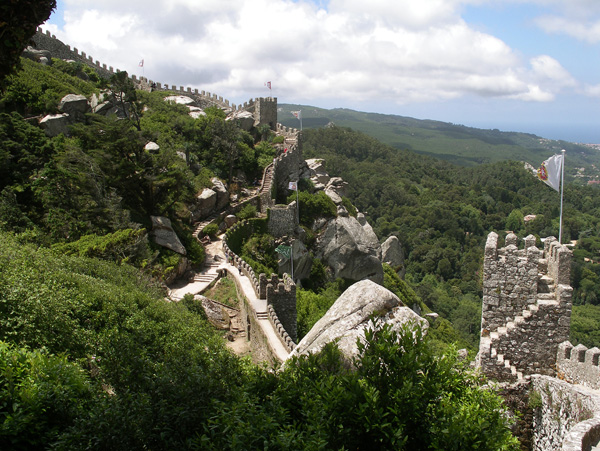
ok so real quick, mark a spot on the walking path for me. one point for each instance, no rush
(215, 260)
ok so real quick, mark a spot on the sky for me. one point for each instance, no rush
(515, 65)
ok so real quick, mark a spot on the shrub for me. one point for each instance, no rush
(249, 211)
(211, 230)
(313, 206)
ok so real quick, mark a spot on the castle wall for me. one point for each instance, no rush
(525, 312)
(282, 220)
(265, 112)
(567, 417)
(259, 343)
(579, 365)
(281, 294)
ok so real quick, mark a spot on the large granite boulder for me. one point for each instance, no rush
(205, 203)
(349, 317)
(165, 236)
(393, 254)
(55, 124)
(222, 193)
(75, 105)
(244, 119)
(351, 250)
(180, 100)
(318, 174)
(39, 56)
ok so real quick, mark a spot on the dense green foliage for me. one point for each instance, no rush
(442, 213)
(20, 19)
(122, 369)
(399, 396)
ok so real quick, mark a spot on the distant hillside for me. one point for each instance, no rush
(466, 146)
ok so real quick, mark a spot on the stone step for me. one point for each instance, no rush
(502, 331)
(262, 315)
(510, 325)
(521, 319)
(494, 335)
(546, 296)
(547, 302)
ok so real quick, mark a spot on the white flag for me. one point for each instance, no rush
(141, 63)
(293, 186)
(297, 114)
(550, 170)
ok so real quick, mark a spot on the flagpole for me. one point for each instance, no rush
(292, 259)
(562, 187)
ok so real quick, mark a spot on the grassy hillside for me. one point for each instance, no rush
(461, 145)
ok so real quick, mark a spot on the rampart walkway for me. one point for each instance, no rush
(216, 261)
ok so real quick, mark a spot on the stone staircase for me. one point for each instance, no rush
(266, 186)
(200, 225)
(491, 346)
(262, 315)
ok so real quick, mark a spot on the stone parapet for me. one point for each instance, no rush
(282, 219)
(281, 294)
(566, 418)
(525, 311)
(579, 365)
(286, 340)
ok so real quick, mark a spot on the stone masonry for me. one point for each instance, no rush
(281, 294)
(526, 307)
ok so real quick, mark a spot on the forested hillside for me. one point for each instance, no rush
(458, 144)
(442, 213)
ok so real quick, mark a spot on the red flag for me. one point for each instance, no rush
(268, 84)
(141, 63)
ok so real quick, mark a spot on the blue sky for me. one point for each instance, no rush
(523, 65)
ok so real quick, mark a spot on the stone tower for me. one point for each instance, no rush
(526, 310)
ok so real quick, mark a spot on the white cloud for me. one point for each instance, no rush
(579, 28)
(403, 51)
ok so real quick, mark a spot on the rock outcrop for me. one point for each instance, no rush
(349, 317)
(351, 250)
(165, 236)
(393, 254)
(75, 105)
(55, 124)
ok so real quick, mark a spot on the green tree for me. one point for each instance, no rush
(20, 19)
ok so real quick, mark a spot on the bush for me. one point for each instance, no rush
(211, 230)
(399, 396)
(247, 212)
(313, 206)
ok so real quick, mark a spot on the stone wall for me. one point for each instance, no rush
(579, 365)
(263, 109)
(289, 166)
(525, 312)
(265, 112)
(47, 41)
(282, 219)
(281, 294)
(285, 338)
(259, 343)
(567, 417)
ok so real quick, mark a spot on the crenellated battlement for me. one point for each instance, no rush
(263, 108)
(526, 307)
(281, 294)
(579, 365)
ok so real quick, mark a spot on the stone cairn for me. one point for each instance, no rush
(526, 311)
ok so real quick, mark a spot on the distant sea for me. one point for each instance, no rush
(587, 134)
